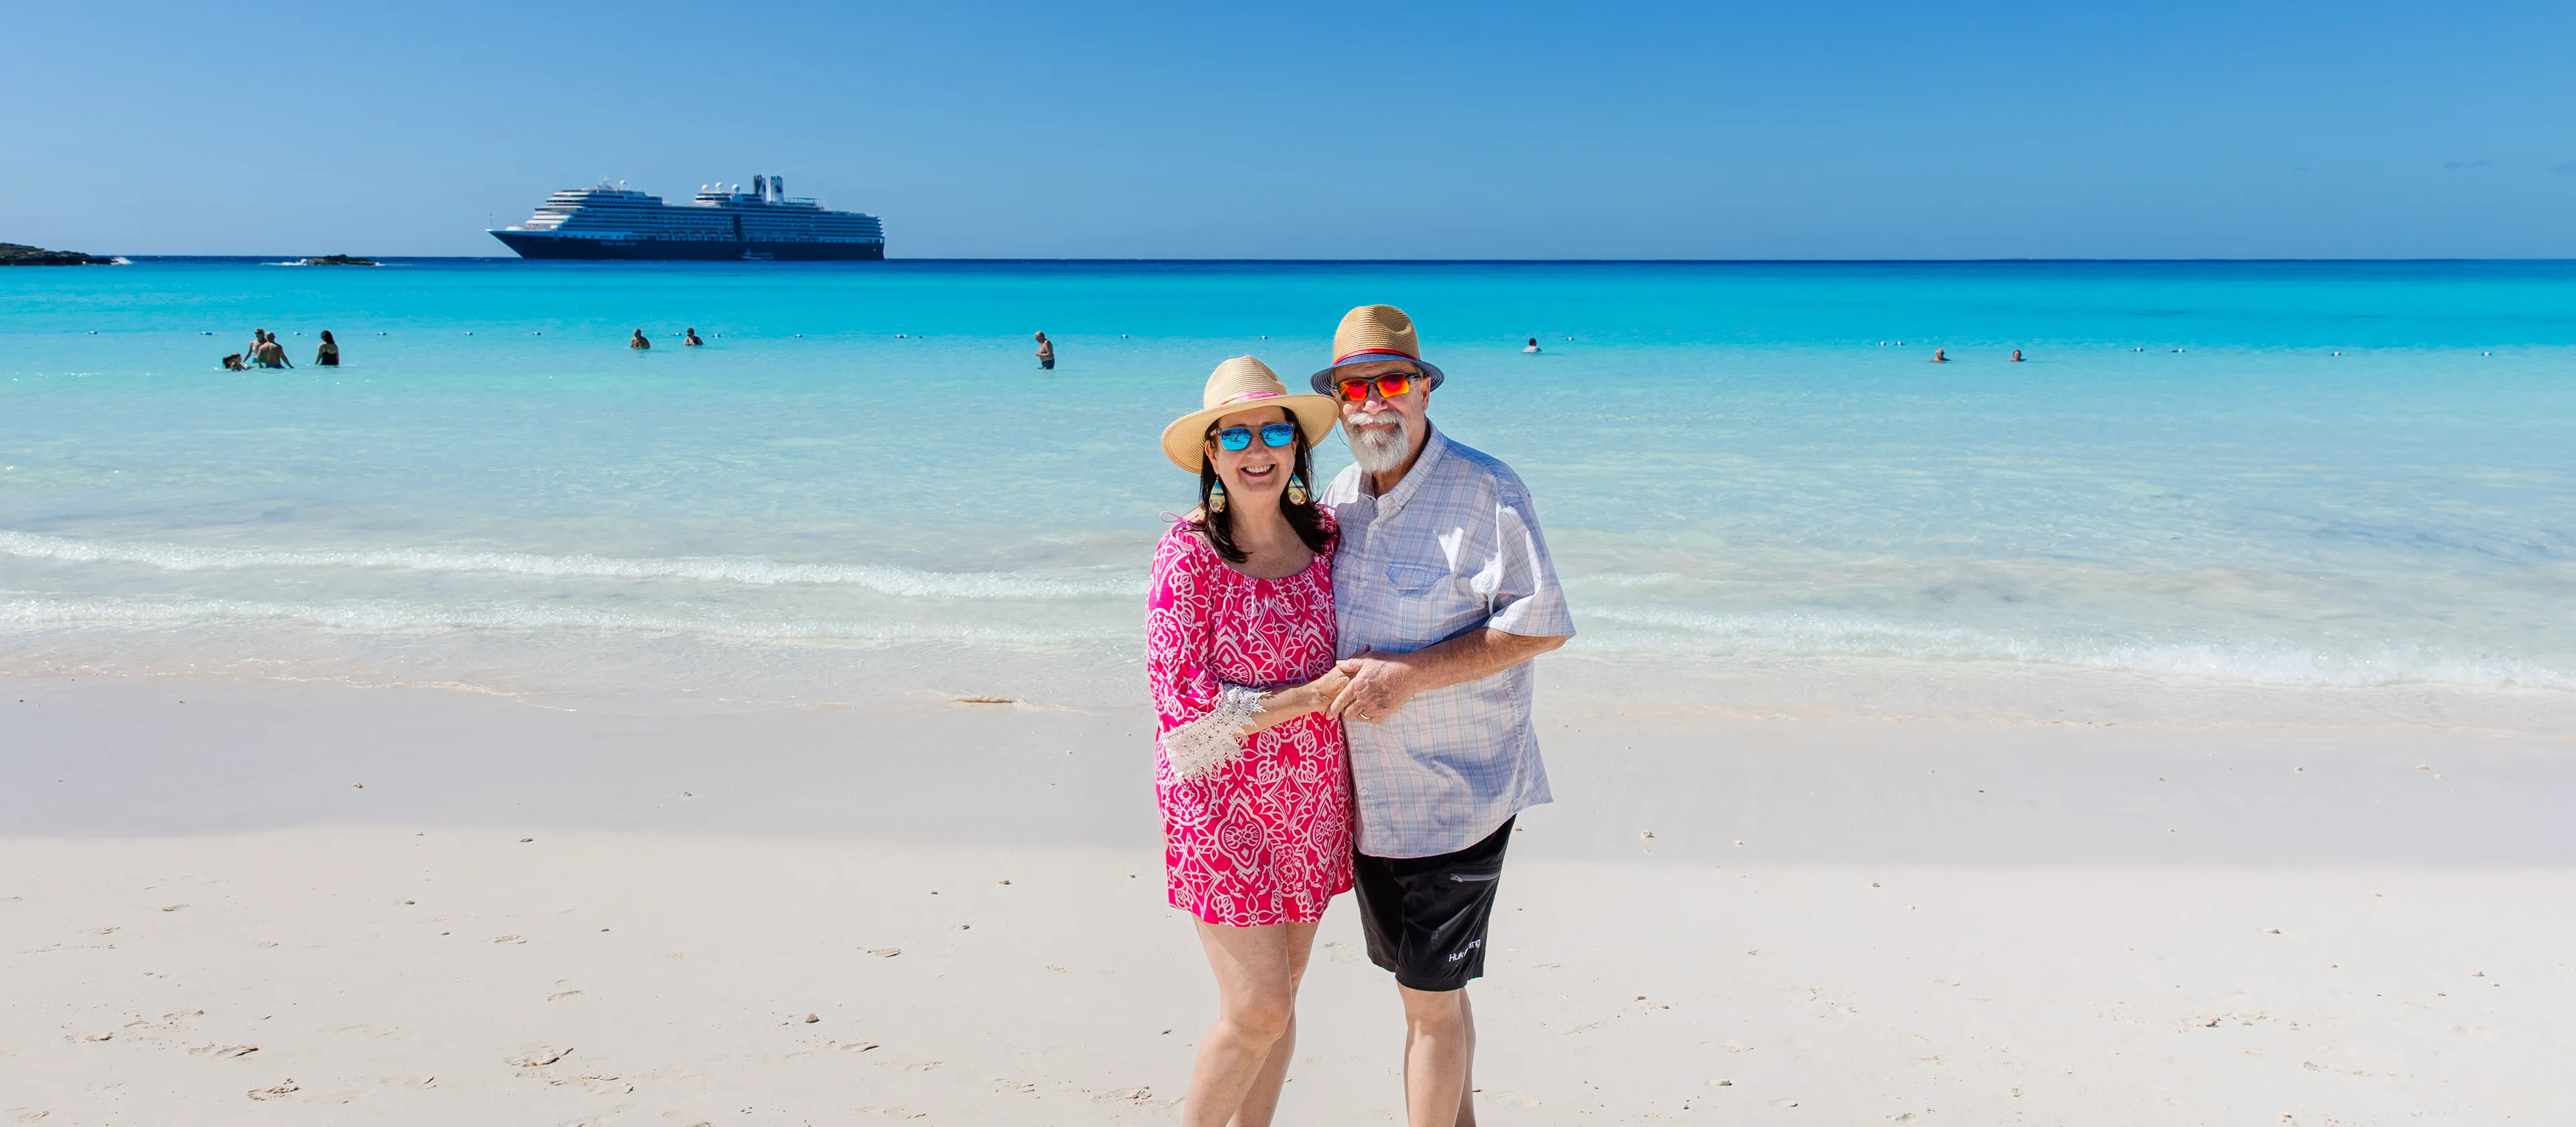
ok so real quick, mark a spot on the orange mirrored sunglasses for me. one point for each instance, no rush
(1389, 386)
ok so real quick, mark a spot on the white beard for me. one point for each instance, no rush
(1378, 448)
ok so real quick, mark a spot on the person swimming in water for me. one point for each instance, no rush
(691, 340)
(1046, 353)
(1532, 346)
(2016, 356)
(638, 341)
(1940, 356)
(327, 356)
(233, 363)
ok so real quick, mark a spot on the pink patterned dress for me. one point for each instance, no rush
(1256, 831)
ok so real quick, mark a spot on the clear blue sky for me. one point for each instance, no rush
(1318, 130)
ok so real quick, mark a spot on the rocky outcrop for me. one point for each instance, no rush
(14, 254)
(339, 260)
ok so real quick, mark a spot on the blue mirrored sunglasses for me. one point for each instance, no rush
(1272, 434)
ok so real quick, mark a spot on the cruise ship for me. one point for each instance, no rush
(723, 222)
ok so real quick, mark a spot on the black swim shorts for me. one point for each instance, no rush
(1425, 916)
(1047, 364)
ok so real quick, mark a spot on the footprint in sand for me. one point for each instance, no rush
(538, 1056)
(276, 1092)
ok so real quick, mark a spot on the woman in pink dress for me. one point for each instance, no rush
(1255, 796)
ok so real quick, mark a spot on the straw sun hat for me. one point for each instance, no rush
(1241, 384)
(1371, 333)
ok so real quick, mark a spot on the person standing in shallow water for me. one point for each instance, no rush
(638, 341)
(691, 340)
(328, 354)
(1239, 652)
(1443, 591)
(1046, 353)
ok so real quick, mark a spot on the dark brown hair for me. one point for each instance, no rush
(1309, 523)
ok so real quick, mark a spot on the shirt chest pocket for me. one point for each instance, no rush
(1414, 581)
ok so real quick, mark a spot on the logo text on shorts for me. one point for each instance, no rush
(1463, 952)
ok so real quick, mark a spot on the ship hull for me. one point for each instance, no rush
(530, 244)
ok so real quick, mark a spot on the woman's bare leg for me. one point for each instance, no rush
(1257, 972)
(1261, 1101)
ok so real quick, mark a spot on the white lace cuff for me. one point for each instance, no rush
(1196, 749)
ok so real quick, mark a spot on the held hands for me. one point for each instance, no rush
(1320, 693)
(1379, 684)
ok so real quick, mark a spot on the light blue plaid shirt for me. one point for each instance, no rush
(1454, 547)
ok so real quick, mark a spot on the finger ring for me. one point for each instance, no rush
(1364, 716)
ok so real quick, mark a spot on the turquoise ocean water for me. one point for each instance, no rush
(2297, 491)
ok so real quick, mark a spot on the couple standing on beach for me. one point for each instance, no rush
(1343, 686)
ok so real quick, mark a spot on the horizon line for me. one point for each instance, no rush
(1404, 261)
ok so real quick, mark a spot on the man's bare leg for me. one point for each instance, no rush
(1257, 973)
(1439, 1053)
(1467, 1078)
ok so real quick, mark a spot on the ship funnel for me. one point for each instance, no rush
(778, 184)
(760, 187)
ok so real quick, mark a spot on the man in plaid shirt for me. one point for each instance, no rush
(1444, 592)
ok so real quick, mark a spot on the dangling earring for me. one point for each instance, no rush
(1296, 490)
(1216, 497)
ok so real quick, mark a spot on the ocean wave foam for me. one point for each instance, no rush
(899, 581)
(1790, 634)
(386, 617)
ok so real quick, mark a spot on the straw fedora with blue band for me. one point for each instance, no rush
(1242, 384)
(1371, 333)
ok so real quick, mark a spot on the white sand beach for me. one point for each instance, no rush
(286, 904)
